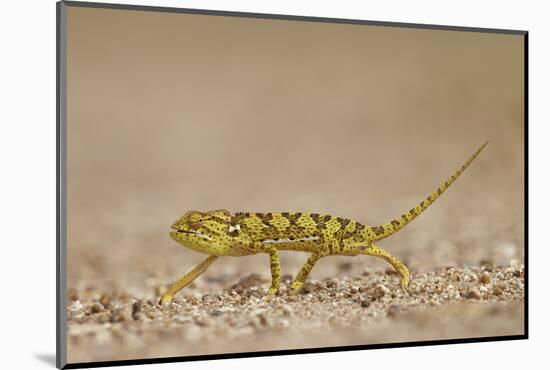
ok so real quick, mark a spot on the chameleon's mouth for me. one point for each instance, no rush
(181, 231)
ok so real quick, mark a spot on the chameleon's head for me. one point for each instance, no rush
(202, 231)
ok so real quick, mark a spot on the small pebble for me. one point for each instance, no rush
(263, 320)
(365, 303)
(76, 306)
(105, 300)
(380, 291)
(96, 307)
(123, 312)
(484, 278)
(330, 283)
(473, 293)
(286, 278)
(307, 288)
(72, 295)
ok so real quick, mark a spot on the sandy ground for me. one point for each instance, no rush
(447, 303)
(168, 113)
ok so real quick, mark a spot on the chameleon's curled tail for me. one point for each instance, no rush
(381, 232)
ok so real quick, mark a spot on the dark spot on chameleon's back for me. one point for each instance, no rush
(285, 214)
(439, 191)
(314, 217)
(327, 218)
(337, 225)
(293, 218)
(238, 218)
(412, 211)
(378, 230)
(422, 204)
(345, 223)
(395, 223)
(265, 218)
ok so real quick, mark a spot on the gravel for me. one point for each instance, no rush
(443, 303)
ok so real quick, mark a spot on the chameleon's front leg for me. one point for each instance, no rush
(275, 264)
(186, 280)
(403, 271)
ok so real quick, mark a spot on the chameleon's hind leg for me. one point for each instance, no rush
(403, 271)
(304, 272)
(186, 280)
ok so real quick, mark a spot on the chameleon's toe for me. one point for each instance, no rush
(271, 293)
(166, 299)
(405, 282)
(295, 288)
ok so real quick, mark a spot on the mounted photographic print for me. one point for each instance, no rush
(235, 184)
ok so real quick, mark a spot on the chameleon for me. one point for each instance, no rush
(221, 233)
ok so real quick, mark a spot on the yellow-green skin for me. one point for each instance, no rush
(220, 233)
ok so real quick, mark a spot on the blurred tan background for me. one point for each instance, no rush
(172, 112)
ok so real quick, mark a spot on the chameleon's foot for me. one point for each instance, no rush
(295, 287)
(166, 299)
(271, 293)
(292, 291)
(399, 267)
(405, 281)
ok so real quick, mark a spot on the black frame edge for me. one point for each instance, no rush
(526, 179)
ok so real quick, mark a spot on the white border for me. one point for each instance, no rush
(28, 185)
